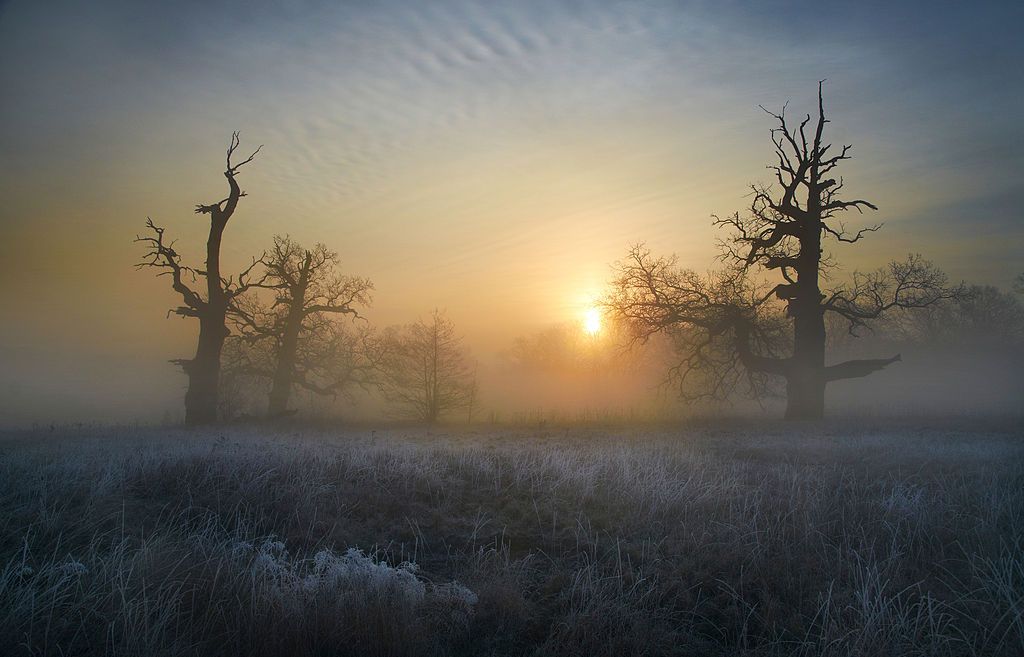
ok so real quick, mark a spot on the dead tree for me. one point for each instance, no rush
(426, 373)
(782, 234)
(210, 307)
(307, 347)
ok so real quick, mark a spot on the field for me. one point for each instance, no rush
(868, 539)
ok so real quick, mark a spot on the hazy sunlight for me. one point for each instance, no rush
(592, 321)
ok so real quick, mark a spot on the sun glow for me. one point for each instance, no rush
(592, 321)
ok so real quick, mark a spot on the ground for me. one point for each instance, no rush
(840, 538)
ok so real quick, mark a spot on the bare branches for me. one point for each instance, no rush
(294, 330)
(858, 205)
(777, 226)
(252, 321)
(912, 283)
(727, 327)
(426, 369)
(232, 146)
(222, 210)
(723, 320)
(248, 279)
(843, 236)
(220, 291)
(213, 208)
(333, 361)
(310, 277)
(342, 295)
(653, 294)
(163, 256)
(761, 235)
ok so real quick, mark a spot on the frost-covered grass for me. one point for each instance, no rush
(708, 540)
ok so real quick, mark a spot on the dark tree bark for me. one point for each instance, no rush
(281, 387)
(307, 349)
(782, 233)
(203, 370)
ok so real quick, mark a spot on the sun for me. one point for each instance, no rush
(592, 321)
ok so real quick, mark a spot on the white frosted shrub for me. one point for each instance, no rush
(356, 573)
(350, 577)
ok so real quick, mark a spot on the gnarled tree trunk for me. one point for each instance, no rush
(284, 372)
(203, 370)
(805, 372)
(203, 394)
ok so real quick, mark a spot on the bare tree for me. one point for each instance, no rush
(782, 234)
(426, 370)
(296, 340)
(210, 307)
(983, 316)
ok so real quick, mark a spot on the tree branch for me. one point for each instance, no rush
(163, 256)
(854, 369)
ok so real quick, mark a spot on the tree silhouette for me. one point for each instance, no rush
(984, 316)
(211, 307)
(741, 337)
(295, 341)
(426, 373)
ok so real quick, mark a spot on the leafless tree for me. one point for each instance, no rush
(209, 306)
(297, 339)
(427, 373)
(983, 316)
(740, 336)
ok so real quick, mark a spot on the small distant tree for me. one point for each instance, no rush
(983, 316)
(209, 306)
(426, 370)
(299, 340)
(736, 315)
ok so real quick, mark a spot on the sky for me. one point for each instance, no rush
(487, 158)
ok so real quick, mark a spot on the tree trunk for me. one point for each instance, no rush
(203, 395)
(805, 395)
(805, 379)
(284, 374)
(203, 372)
(281, 389)
(435, 388)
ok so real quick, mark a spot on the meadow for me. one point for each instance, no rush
(839, 538)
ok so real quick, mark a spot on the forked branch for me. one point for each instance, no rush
(163, 256)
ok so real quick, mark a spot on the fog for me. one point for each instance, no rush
(491, 163)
